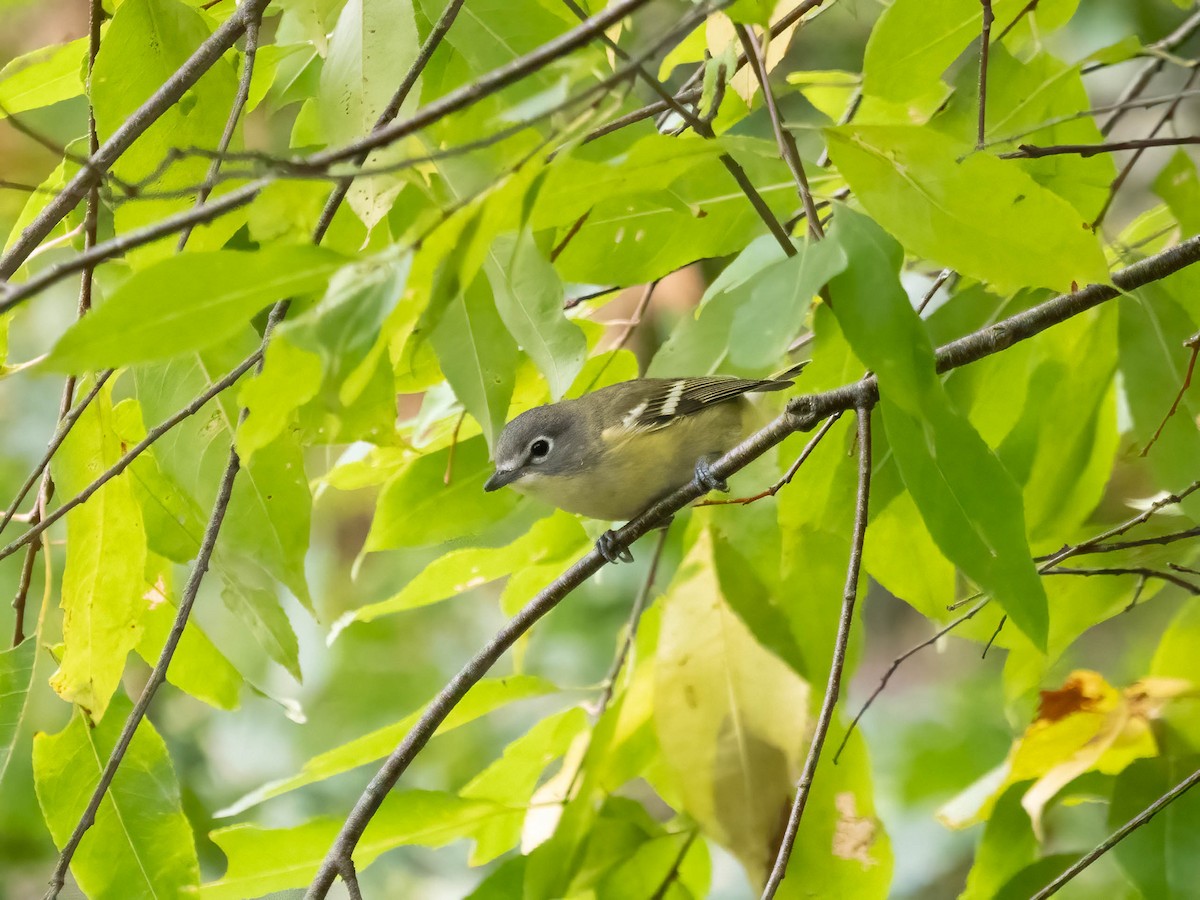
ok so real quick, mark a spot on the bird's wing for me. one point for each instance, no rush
(665, 401)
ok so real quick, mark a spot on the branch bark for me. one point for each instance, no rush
(802, 414)
(146, 115)
(834, 686)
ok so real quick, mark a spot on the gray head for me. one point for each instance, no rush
(546, 440)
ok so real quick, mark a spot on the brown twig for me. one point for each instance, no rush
(896, 664)
(1139, 83)
(204, 57)
(985, 44)
(802, 414)
(787, 477)
(834, 685)
(1119, 835)
(1034, 151)
(755, 52)
(1166, 117)
(627, 640)
(253, 23)
(1194, 343)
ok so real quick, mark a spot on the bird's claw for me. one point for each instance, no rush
(607, 547)
(707, 479)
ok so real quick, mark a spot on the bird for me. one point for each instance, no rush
(613, 452)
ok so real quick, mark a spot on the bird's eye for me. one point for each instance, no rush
(539, 448)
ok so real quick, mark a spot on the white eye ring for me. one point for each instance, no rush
(540, 449)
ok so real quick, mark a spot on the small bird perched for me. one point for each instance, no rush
(611, 453)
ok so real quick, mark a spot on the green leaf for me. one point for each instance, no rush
(695, 213)
(1157, 857)
(253, 600)
(262, 861)
(1006, 846)
(914, 41)
(486, 696)
(529, 299)
(197, 667)
(212, 296)
(417, 508)
(751, 312)
(371, 48)
(461, 570)
(146, 42)
(511, 779)
(1022, 96)
(106, 554)
(43, 77)
(979, 215)
(718, 694)
(290, 377)
(478, 357)
(141, 842)
(1178, 185)
(16, 677)
(1152, 327)
(966, 497)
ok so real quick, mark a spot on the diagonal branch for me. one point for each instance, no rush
(157, 676)
(207, 545)
(1119, 835)
(253, 23)
(703, 129)
(985, 45)
(834, 686)
(67, 416)
(146, 115)
(756, 53)
(1034, 151)
(802, 414)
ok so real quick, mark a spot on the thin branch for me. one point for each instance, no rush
(66, 416)
(896, 663)
(134, 452)
(1160, 540)
(157, 676)
(204, 555)
(756, 53)
(992, 640)
(635, 616)
(1166, 117)
(802, 414)
(1103, 543)
(691, 89)
(1140, 571)
(1194, 343)
(984, 49)
(253, 22)
(1120, 834)
(702, 128)
(1152, 68)
(424, 54)
(834, 685)
(66, 422)
(788, 476)
(205, 56)
(214, 208)
(1147, 103)
(1033, 151)
(493, 81)
(674, 873)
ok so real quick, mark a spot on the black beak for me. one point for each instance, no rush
(500, 478)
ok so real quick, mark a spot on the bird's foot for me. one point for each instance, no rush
(706, 478)
(607, 547)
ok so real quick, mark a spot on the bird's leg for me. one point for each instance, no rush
(707, 479)
(607, 547)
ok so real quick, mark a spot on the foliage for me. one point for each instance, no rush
(333, 378)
